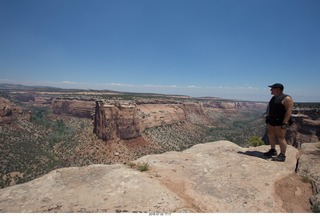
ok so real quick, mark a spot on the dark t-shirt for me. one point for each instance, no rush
(276, 108)
(277, 111)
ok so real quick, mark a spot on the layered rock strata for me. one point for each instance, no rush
(121, 120)
(75, 107)
(306, 128)
(114, 120)
(8, 110)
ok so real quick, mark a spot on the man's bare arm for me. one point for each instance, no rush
(288, 104)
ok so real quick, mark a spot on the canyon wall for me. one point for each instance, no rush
(8, 111)
(127, 120)
(75, 107)
(306, 128)
(123, 120)
(115, 120)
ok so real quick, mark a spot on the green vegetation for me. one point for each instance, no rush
(31, 149)
(305, 179)
(131, 164)
(255, 141)
(4, 94)
(40, 116)
(141, 167)
(238, 128)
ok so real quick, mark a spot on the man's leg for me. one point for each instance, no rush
(281, 133)
(272, 136)
(272, 142)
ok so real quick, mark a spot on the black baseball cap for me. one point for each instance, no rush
(277, 85)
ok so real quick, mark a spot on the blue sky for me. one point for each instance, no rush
(222, 48)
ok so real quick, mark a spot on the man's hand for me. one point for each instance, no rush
(284, 126)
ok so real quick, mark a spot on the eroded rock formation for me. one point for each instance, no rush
(123, 120)
(128, 119)
(114, 120)
(75, 107)
(306, 129)
(8, 110)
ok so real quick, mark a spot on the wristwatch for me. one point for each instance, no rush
(284, 125)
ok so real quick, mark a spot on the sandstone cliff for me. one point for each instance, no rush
(8, 111)
(128, 119)
(306, 129)
(75, 107)
(211, 177)
(116, 120)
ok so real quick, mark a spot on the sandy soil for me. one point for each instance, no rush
(294, 193)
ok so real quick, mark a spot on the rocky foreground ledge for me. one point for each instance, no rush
(213, 177)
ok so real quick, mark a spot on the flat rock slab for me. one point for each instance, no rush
(213, 177)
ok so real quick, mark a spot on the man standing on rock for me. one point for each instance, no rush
(278, 119)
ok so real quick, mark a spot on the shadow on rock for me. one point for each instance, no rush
(254, 154)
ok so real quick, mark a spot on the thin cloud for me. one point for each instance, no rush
(66, 84)
(159, 86)
(193, 86)
(233, 87)
(119, 84)
(69, 82)
(235, 92)
(6, 80)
